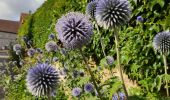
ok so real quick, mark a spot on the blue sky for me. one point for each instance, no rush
(11, 9)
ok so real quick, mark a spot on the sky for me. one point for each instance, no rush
(11, 9)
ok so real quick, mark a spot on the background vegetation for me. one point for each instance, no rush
(141, 63)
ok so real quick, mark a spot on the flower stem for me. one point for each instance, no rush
(102, 45)
(92, 76)
(165, 66)
(118, 61)
(101, 42)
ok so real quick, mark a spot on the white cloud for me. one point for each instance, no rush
(11, 9)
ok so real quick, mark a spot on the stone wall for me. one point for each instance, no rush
(6, 38)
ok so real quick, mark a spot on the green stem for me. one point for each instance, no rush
(165, 66)
(118, 61)
(101, 42)
(92, 76)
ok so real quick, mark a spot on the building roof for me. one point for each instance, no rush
(9, 26)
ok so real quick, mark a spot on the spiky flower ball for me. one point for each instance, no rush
(42, 80)
(88, 87)
(91, 8)
(51, 46)
(140, 19)
(17, 47)
(38, 50)
(55, 59)
(76, 91)
(119, 96)
(51, 36)
(31, 52)
(18, 52)
(110, 60)
(161, 42)
(74, 30)
(112, 13)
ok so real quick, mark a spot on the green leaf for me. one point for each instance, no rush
(115, 87)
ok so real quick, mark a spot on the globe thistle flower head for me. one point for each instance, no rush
(81, 73)
(51, 36)
(55, 59)
(140, 19)
(91, 9)
(119, 96)
(38, 50)
(17, 47)
(47, 61)
(21, 62)
(74, 30)
(42, 80)
(63, 51)
(76, 91)
(161, 42)
(18, 52)
(112, 13)
(110, 60)
(75, 74)
(25, 38)
(51, 46)
(31, 52)
(88, 87)
(14, 62)
(29, 42)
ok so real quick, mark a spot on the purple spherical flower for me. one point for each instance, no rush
(75, 73)
(161, 42)
(31, 52)
(55, 59)
(42, 80)
(38, 50)
(119, 96)
(17, 47)
(76, 91)
(51, 36)
(91, 9)
(21, 62)
(51, 46)
(140, 19)
(88, 87)
(18, 52)
(25, 38)
(110, 60)
(14, 62)
(74, 30)
(112, 13)
(29, 42)
(81, 73)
